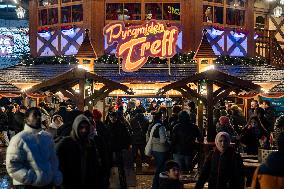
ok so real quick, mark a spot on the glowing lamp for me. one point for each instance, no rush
(281, 2)
(277, 11)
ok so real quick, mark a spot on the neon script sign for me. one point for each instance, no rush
(136, 43)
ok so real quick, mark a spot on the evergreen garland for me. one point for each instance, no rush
(180, 58)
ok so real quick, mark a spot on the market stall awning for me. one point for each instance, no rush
(221, 79)
(9, 90)
(208, 79)
(64, 83)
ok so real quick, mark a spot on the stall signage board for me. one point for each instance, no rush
(136, 43)
(277, 104)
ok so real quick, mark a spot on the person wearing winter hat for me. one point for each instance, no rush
(223, 168)
(80, 160)
(224, 125)
(271, 173)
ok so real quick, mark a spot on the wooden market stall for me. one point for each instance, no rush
(73, 83)
(218, 86)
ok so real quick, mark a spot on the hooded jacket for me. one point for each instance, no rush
(31, 159)
(271, 173)
(80, 162)
(167, 183)
(222, 171)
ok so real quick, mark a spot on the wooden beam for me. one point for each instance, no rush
(222, 95)
(195, 94)
(211, 132)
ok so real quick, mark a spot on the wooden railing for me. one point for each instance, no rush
(268, 47)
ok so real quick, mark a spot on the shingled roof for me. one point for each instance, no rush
(278, 88)
(6, 87)
(205, 49)
(86, 49)
(149, 73)
(34, 73)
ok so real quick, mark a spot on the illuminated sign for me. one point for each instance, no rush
(6, 45)
(136, 43)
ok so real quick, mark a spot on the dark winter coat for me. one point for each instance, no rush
(138, 129)
(183, 138)
(3, 121)
(222, 171)
(166, 183)
(19, 121)
(271, 173)
(82, 164)
(119, 137)
(269, 115)
(173, 120)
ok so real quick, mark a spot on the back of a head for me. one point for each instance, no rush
(157, 116)
(191, 105)
(97, 114)
(23, 107)
(176, 109)
(184, 117)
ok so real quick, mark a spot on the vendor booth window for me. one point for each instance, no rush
(47, 2)
(215, 1)
(260, 22)
(123, 11)
(132, 11)
(52, 16)
(171, 11)
(66, 14)
(213, 14)
(236, 3)
(43, 17)
(153, 11)
(77, 13)
(235, 17)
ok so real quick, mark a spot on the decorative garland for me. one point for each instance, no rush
(28, 60)
(111, 59)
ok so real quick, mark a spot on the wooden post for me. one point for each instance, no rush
(211, 132)
(81, 99)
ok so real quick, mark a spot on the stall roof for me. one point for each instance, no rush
(71, 78)
(278, 88)
(6, 87)
(39, 73)
(86, 49)
(205, 49)
(217, 77)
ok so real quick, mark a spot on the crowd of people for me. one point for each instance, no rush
(73, 149)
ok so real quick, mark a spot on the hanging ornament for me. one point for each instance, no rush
(277, 11)
(45, 3)
(20, 11)
(281, 2)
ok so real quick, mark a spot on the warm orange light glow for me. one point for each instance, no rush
(137, 43)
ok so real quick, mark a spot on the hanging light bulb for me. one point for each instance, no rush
(277, 11)
(281, 2)
(20, 11)
(45, 3)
